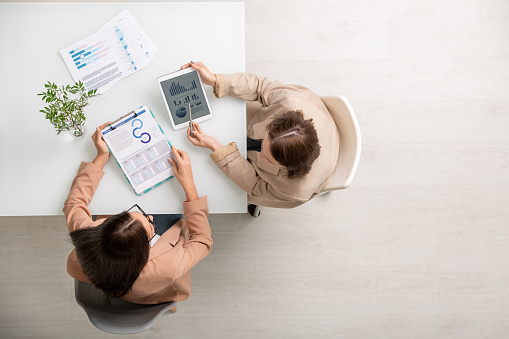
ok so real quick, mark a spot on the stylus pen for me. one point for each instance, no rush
(190, 119)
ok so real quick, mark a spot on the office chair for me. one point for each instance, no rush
(121, 317)
(349, 142)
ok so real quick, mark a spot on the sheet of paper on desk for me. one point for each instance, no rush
(146, 44)
(118, 49)
(141, 149)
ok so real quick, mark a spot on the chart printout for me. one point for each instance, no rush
(140, 148)
(117, 50)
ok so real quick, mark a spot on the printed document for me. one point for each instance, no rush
(118, 49)
(140, 148)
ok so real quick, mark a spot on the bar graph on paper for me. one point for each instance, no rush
(112, 53)
(148, 163)
(102, 59)
(88, 54)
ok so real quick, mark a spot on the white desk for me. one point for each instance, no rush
(37, 166)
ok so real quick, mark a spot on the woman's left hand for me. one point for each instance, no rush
(100, 145)
(198, 138)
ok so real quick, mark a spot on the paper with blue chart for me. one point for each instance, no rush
(140, 149)
(118, 49)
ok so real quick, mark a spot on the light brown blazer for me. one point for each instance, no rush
(265, 184)
(167, 274)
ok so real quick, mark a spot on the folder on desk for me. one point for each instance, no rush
(140, 149)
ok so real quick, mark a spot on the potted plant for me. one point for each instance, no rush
(65, 112)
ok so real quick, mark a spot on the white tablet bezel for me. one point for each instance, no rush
(176, 74)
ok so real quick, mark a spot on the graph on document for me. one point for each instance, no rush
(124, 46)
(148, 163)
(86, 54)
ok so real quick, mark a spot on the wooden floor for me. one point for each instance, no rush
(417, 247)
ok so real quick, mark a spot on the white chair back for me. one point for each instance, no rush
(349, 142)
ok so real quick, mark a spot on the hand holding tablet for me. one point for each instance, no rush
(206, 75)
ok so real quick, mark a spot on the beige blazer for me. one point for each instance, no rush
(265, 184)
(167, 274)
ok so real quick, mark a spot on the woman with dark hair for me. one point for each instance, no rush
(125, 255)
(293, 142)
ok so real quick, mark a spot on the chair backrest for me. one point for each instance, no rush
(349, 142)
(121, 317)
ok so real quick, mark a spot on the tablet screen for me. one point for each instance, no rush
(182, 90)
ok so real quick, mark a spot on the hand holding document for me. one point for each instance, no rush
(140, 149)
(118, 49)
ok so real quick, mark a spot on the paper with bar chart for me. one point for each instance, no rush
(140, 148)
(115, 51)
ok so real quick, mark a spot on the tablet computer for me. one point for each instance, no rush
(183, 89)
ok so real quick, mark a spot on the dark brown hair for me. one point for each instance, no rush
(113, 254)
(294, 142)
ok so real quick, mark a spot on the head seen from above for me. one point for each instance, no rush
(292, 142)
(113, 254)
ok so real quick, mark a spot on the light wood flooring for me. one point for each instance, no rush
(417, 247)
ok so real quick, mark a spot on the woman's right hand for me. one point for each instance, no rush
(184, 173)
(207, 76)
(103, 152)
(100, 145)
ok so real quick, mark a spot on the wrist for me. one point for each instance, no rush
(215, 145)
(191, 192)
(101, 159)
(103, 156)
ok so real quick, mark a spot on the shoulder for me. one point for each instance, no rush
(162, 261)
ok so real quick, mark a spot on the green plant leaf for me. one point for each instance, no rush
(65, 112)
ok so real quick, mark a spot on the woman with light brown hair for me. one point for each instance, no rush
(293, 142)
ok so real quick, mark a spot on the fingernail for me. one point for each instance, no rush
(192, 62)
